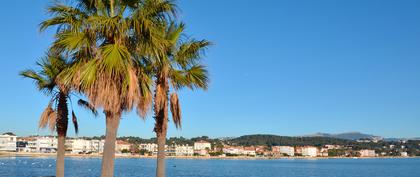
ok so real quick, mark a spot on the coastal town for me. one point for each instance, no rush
(204, 147)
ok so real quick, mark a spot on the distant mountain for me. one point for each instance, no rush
(347, 136)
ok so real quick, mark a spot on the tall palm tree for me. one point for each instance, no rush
(105, 39)
(55, 116)
(178, 67)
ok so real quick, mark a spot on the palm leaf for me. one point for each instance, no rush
(87, 106)
(48, 118)
(74, 120)
(41, 83)
(175, 110)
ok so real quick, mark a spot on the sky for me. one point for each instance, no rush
(276, 67)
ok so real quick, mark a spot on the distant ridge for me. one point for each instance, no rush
(346, 136)
(275, 140)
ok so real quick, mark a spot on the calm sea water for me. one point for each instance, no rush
(87, 167)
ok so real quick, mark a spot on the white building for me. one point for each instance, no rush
(309, 151)
(233, 150)
(44, 144)
(367, 153)
(289, 150)
(202, 145)
(77, 146)
(404, 154)
(329, 146)
(121, 146)
(250, 151)
(184, 150)
(151, 147)
(7, 142)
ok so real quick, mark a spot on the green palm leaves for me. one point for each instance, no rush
(105, 38)
(115, 51)
(46, 80)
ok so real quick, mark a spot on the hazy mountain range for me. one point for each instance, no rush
(347, 136)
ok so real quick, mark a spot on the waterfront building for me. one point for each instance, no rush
(367, 153)
(8, 142)
(77, 146)
(261, 149)
(202, 145)
(309, 151)
(22, 144)
(288, 150)
(122, 145)
(42, 144)
(404, 154)
(202, 152)
(236, 150)
(250, 151)
(323, 152)
(180, 150)
(298, 150)
(185, 150)
(150, 147)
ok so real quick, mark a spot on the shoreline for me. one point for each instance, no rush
(40, 155)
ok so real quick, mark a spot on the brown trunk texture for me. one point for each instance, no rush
(59, 168)
(161, 127)
(160, 170)
(61, 124)
(108, 156)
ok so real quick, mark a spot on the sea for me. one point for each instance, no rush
(132, 167)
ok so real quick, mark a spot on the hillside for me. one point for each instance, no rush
(274, 140)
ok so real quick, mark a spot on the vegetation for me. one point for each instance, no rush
(336, 152)
(107, 41)
(215, 153)
(274, 140)
(55, 115)
(177, 67)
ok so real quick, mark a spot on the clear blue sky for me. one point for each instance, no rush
(278, 67)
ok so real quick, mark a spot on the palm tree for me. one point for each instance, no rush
(179, 67)
(55, 116)
(105, 39)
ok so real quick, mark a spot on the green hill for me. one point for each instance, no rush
(274, 140)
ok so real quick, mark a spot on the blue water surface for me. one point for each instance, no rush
(130, 167)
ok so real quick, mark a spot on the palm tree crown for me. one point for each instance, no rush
(105, 39)
(46, 81)
(177, 67)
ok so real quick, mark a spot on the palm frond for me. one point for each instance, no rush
(189, 52)
(48, 118)
(197, 77)
(175, 110)
(74, 120)
(41, 82)
(65, 17)
(87, 106)
(115, 58)
(71, 41)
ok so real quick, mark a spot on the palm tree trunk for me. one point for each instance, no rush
(161, 124)
(59, 168)
(61, 124)
(108, 156)
(160, 170)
